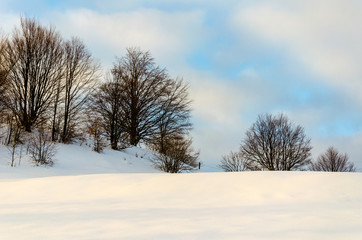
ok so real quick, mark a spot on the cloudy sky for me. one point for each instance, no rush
(241, 58)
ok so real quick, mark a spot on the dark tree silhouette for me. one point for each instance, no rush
(34, 61)
(333, 161)
(105, 102)
(3, 74)
(140, 102)
(174, 116)
(80, 78)
(274, 143)
(144, 88)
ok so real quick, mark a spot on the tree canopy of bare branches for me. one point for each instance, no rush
(233, 162)
(80, 78)
(174, 116)
(34, 58)
(47, 83)
(332, 161)
(275, 143)
(140, 102)
(144, 90)
(105, 103)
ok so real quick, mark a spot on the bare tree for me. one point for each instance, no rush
(80, 75)
(143, 90)
(57, 96)
(105, 103)
(3, 75)
(333, 161)
(234, 162)
(33, 56)
(179, 156)
(174, 116)
(275, 143)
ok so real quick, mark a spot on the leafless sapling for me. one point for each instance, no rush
(95, 130)
(14, 145)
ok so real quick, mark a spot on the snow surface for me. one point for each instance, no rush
(87, 195)
(73, 159)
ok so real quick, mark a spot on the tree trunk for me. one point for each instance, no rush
(133, 137)
(27, 126)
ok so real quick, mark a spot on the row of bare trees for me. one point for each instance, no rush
(141, 103)
(275, 143)
(45, 79)
(50, 83)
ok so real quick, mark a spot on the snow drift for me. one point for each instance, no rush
(119, 195)
(247, 205)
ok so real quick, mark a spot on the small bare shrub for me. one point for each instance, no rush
(41, 148)
(178, 156)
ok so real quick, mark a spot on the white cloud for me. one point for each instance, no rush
(224, 110)
(324, 35)
(345, 144)
(169, 36)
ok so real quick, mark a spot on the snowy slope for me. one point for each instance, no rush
(248, 205)
(75, 160)
(119, 195)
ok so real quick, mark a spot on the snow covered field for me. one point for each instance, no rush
(101, 196)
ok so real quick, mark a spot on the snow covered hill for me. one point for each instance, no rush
(247, 205)
(119, 195)
(74, 159)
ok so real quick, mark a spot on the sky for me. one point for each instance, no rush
(241, 58)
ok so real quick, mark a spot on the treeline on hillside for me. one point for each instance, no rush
(54, 89)
(274, 143)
